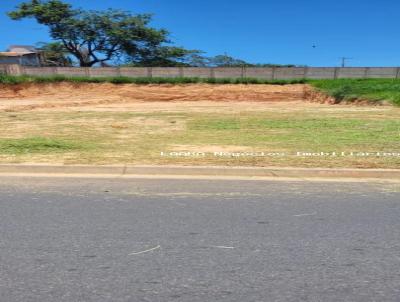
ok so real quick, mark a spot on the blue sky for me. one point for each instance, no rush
(257, 30)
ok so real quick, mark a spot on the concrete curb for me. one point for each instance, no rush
(274, 172)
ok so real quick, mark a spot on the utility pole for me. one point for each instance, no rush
(344, 59)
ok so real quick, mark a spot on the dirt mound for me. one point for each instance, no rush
(315, 96)
(58, 95)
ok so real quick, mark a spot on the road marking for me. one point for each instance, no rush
(146, 251)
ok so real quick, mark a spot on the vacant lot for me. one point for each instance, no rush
(192, 124)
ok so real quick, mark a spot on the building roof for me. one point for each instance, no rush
(24, 48)
(19, 51)
(15, 54)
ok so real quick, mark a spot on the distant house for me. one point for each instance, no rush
(21, 54)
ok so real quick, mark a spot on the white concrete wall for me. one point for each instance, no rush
(266, 73)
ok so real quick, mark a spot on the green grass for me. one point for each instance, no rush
(138, 138)
(8, 79)
(38, 144)
(373, 90)
(327, 133)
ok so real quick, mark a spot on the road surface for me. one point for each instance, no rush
(70, 239)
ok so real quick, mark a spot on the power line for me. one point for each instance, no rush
(344, 59)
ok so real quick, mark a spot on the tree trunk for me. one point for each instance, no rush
(87, 64)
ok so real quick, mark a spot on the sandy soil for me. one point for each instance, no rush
(232, 99)
(106, 96)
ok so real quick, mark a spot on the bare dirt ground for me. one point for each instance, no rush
(133, 124)
(106, 96)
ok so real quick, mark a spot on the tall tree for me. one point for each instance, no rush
(93, 36)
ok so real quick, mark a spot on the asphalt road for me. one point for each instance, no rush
(198, 240)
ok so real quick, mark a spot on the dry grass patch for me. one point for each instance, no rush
(133, 124)
(140, 137)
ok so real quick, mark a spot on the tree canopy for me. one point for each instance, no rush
(165, 56)
(94, 36)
